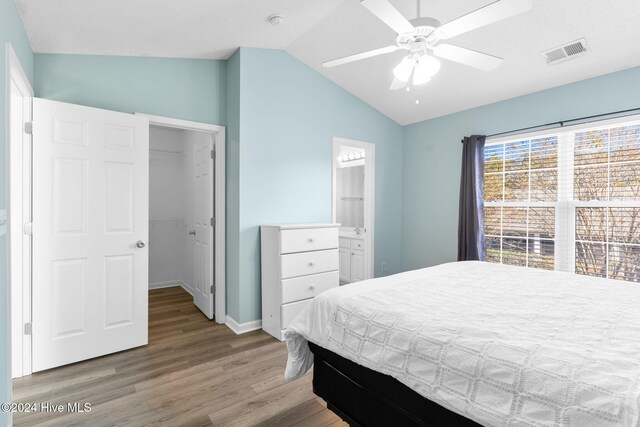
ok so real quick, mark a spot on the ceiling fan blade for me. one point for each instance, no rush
(359, 56)
(494, 12)
(389, 15)
(468, 57)
(397, 84)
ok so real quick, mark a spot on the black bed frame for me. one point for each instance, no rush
(363, 397)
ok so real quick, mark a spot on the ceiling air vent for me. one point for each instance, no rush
(564, 53)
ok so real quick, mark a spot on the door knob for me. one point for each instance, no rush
(140, 244)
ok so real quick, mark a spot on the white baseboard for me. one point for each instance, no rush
(241, 328)
(172, 284)
(161, 285)
(186, 288)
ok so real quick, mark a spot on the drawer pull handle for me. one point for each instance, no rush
(310, 265)
(312, 288)
(309, 240)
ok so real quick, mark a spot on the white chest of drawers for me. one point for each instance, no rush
(298, 262)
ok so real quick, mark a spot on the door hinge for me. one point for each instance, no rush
(213, 154)
(213, 222)
(213, 289)
(27, 328)
(28, 228)
(28, 128)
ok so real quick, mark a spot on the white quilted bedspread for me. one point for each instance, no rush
(502, 345)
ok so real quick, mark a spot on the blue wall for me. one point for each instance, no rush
(12, 31)
(433, 153)
(189, 89)
(288, 116)
(280, 117)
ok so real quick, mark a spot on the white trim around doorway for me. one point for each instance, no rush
(369, 194)
(17, 218)
(220, 245)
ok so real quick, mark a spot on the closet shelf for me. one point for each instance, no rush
(172, 152)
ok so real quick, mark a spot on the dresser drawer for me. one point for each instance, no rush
(357, 244)
(308, 239)
(288, 312)
(305, 263)
(304, 287)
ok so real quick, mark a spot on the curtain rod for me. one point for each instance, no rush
(563, 122)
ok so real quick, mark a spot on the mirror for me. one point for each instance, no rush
(350, 196)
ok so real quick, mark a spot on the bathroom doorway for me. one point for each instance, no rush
(353, 202)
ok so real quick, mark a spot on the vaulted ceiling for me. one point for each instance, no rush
(315, 31)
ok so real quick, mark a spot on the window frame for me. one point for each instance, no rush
(565, 205)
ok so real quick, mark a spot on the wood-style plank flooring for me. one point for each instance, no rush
(193, 372)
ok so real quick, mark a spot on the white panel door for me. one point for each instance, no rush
(203, 203)
(90, 222)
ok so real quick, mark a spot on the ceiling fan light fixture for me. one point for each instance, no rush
(420, 78)
(426, 67)
(402, 71)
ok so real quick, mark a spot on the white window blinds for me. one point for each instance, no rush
(566, 199)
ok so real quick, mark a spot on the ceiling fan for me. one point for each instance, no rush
(422, 36)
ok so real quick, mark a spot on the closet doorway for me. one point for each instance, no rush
(186, 211)
(353, 170)
(79, 282)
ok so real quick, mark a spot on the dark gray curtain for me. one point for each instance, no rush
(470, 216)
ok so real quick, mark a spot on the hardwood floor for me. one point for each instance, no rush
(193, 372)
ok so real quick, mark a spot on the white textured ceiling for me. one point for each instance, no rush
(166, 28)
(318, 30)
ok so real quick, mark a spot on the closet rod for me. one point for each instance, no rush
(562, 123)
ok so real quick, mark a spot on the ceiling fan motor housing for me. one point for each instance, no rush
(423, 36)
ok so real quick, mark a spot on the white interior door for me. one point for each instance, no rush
(91, 219)
(203, 295)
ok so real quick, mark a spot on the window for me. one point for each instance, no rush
(566, 199)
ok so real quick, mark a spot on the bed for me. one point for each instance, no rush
(474, 343)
